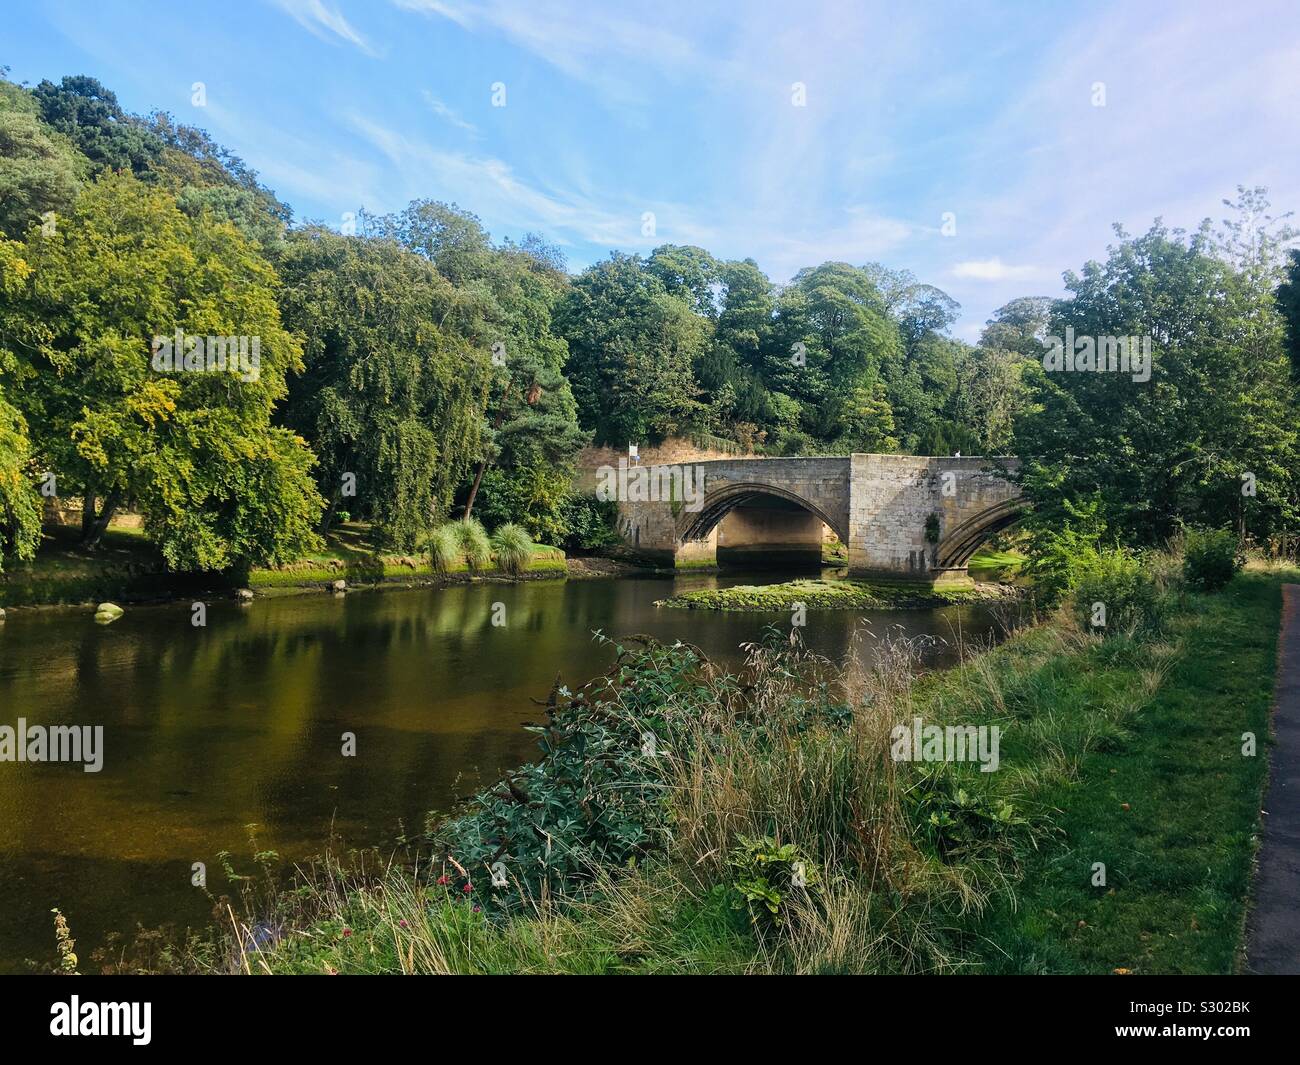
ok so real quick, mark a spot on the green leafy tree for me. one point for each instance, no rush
(632, 348)
(218, 485)
(88, 114)
(20, 503)
(1217, 414)
(40, 170)
(506, 298)
(391, 399)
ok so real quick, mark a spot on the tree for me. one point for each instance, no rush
(89, 115)
(391, 399)
(84, 314)
(39, 170)
(1288, 305)
(1218, 412)
(830, 340)
(506, 297)
(632, 346)
(20, 504)
(689, 273)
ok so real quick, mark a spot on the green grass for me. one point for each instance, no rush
(347, 556)
(817, 594)
(987, 563)
(1178, 858)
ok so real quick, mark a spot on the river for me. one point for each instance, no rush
(207, 730)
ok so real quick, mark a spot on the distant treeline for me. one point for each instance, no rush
(414, 369)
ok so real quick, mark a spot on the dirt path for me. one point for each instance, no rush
(1273, 945)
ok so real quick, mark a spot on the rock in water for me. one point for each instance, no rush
(339, 586)
(244, 595)
(106, 613)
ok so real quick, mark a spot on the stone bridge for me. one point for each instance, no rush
(900, 516)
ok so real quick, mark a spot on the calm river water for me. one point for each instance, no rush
(207, 730)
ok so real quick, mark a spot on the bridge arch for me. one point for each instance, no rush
(956, 547)
(721, 501)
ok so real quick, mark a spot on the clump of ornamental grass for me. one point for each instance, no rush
(513, 549)
(475, 547)
(444, 548)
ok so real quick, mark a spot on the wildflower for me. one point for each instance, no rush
(347, 932)
(402, 922)
(467, 889)
(444, 880)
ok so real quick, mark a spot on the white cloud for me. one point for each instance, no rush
(994, 270)
(322, 21)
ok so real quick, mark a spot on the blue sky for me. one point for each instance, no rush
(684, 110)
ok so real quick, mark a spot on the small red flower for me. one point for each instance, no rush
(444, 880)
(402, 922)
(467, 889)
(347, 932)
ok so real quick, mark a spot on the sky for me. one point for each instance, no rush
(986, 147)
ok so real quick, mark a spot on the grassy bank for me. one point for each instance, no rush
(127, 568)
(767, 827)
(817, 594)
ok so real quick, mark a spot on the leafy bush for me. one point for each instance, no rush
(1058, 541)
(597, 797)
(767, 873)
(475, 547)
(591, 523)
(1116, 580)
(1211, 558)
(535, 497)
(958, 822)
(513, 549)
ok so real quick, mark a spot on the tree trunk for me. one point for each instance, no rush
(91, 540)
(473, 491)
(482, 466)
(327, 518)
(87, 512)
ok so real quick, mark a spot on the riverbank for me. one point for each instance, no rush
(126, 568)
(1116, 835)
(837, 594)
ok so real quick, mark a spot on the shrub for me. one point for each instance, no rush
(444, 548)
(596, 798)
(475, 547)
(590, 523)
(766, 875)
(1211, 558)
(513, 549)
(1115, 580)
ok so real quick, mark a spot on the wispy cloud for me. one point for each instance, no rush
(324, 21)
(444, 112)
(493, 189)
(591, 43)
